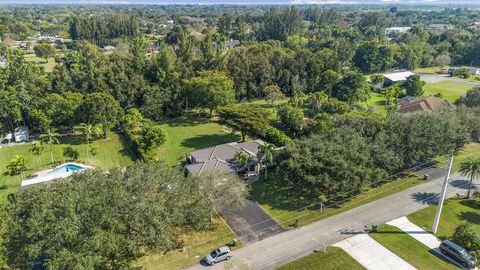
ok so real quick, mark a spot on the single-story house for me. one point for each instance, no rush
(426, 104)
(394, 30)
(406, 100)
(440, 27)
(221, 158)
(20, 133)
(3, 60)
(396, 77)
(473, 70)
(230, 44)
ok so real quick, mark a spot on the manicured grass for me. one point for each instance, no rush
(409, 249)
(197, 245)
(113, 152)
(183, 134)
(470, 150)
(377, 103)
(430, 70)
(286, 205)
(449, 89)
(455, 212)
(333, 259)
(31, 57)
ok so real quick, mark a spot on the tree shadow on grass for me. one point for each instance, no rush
(470, 217)
(190, 121)
(127, 148)
(70, 139)
(204, 141)
(471, 203)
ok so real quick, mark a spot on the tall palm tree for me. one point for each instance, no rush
(470, 168)
(242, 159)
(36, 150)
(88, 133)
(50, 137)
(265, 155)
(317, 99)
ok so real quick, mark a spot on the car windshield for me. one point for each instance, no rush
(465, 255)
(214, 253)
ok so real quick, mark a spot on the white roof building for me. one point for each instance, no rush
(397, 76)
(393, 30)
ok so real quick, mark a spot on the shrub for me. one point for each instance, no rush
(466, 237)
(70, 153)
(276, 136)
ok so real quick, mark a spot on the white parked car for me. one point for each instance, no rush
(218, 255)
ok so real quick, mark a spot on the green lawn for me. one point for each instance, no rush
(430, 70)
(334, 259)
(377, 103)
(409, 249)
(183, 134)
(113, 152)
(449, 89)
(455, 212)
(31, 57)
(286, 205)
(197, 245)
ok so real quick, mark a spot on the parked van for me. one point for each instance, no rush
(457, 253)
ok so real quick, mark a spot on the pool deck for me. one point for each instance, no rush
(42, 177)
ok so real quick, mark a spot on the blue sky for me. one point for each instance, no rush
(248, 2)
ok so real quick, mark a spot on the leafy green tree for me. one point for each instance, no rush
(40, 120)
(44, 51)
(249, 119)
(101, 109)
(211, 89)
(414, 86)
(17, 165)
(352, 88)
(94, 149)
(155, 202)
(265, 154)
(242, 160)
(292, 117)
(36, 150)
(466, 237)
(88, 132)
(470, 168)
(471, 98)
(273, 94)
(50, 137)
(10, 110)
(70, 153)
(318, 99)
(150, 137)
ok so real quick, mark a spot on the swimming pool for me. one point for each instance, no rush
(62, 171)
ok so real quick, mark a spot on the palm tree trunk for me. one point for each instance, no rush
(470, 187)
(51, 153)
(88, 147)
(38, 161)
(266, 171)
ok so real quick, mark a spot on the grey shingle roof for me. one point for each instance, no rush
(221, 158)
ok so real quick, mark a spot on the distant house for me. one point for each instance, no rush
(405, 100)
(426, 104)
(396, 77)
(3, 60)
(473, 70)
(230, 44)
(109, 49)
(20, 133)
(221, 158)
(396, 30)
(440, 27)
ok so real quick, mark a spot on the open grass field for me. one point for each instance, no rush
(183, 134)
(450, 90)
(455, 212)
(333, 259)
(48, 66)
(431, 70)
(409, 249)
(112, 152)
(197, 245)
(286, 205)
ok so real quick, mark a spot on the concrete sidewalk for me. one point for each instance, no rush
(371, 254)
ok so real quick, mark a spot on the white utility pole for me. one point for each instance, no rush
(442, 196)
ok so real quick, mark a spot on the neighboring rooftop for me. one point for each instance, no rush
(426, 104)
(398, 76)
(221, 158)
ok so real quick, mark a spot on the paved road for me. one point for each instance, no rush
(430, 78)
(293, 244)
(251, 223)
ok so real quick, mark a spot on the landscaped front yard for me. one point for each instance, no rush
(409, 249)
(455, 212)
(113, 152)
(287, 206)
(333, 259)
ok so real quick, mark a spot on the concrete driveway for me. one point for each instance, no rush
(251, 223)
(371, 254)
(436, 78)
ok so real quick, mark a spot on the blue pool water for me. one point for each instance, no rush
(64, 169)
